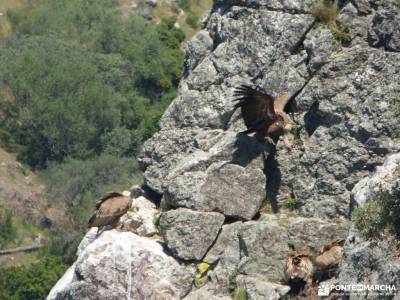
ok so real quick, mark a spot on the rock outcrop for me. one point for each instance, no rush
(373, 262)
(122, 265)
(236, 205)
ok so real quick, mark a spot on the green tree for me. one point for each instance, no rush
(33, 282)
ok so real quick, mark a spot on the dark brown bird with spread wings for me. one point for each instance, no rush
(263, 114)
(109, 209)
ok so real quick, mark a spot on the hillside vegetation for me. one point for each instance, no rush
(82, 88)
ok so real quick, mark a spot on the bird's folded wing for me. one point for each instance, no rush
(108, 195)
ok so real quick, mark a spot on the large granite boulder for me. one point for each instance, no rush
(123, 265)
(384, 180)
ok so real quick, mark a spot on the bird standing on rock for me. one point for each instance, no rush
(110, 208)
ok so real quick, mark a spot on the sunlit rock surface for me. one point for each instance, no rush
(123, 265)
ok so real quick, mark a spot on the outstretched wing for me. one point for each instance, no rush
(257, 108)
(330, 255)
(339, 243)
(281, 101)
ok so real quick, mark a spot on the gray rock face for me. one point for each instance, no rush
(196, 49)
(343, 137)
(370, 264)
(386, 26)
(384, 180)
(258, 288)
(228, 187)
(188, 233)
(89, 237)
(226, 254)
(319, 45)
(263, 249)
(204, 294)
(337, 115)
(259, 249)
(216, 171)
(123, 265)
(366, 261)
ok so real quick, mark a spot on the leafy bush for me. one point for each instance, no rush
(232, 285)
(325, 11)
(192, 20)
(81, 89)
(64, 243)
(342, 35)
(33, 282)
(373, 219)
(184, 4)
(368, 220)
(7, 228)
(291, 203)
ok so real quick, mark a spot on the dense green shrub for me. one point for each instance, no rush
(342, 35)
(291, 203)
(33, 282)
(368, 220)
(184, 4)
(325, 11)
(63, 243)
(78, 76)
(192, 19)
(374, 218)
(7, 228)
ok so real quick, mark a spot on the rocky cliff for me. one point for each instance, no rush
(231, 207)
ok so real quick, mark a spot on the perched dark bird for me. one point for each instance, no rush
(110, 208)
(263, 114)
